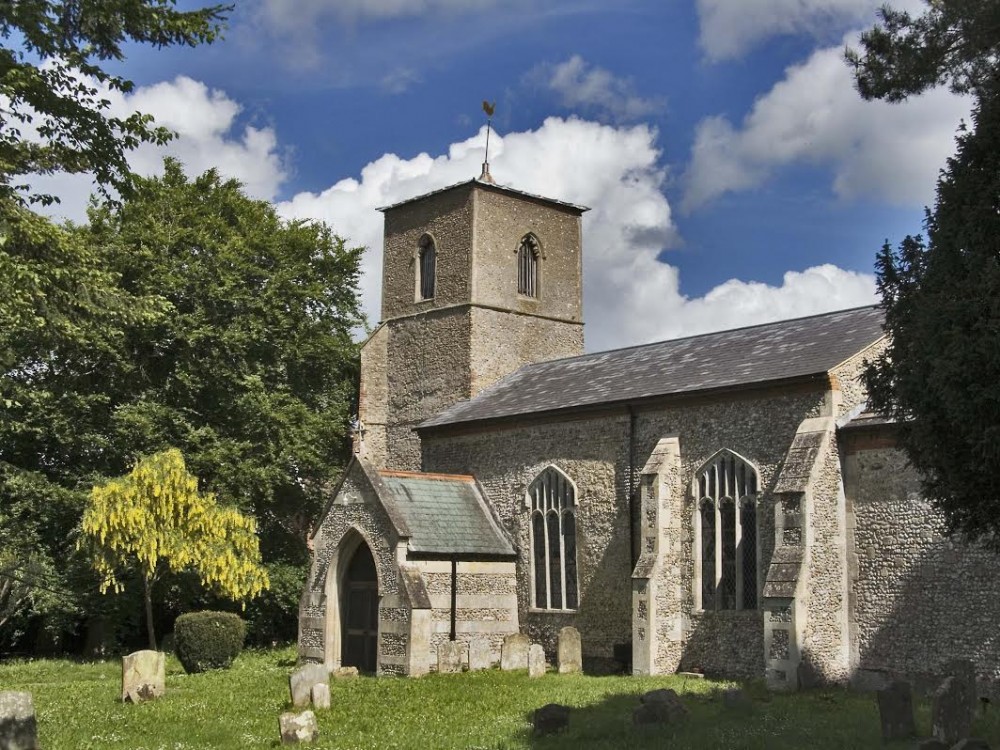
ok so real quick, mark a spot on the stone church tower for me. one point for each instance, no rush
(478, 280)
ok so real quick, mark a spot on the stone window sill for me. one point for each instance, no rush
(538, 611)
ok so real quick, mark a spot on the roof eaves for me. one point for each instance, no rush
(430, 424)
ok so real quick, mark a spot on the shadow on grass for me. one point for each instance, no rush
(819, 720)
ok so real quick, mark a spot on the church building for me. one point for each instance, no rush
(720, 503)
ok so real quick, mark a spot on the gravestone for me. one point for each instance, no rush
(480, 655)
(952, 710)
(570, 656)
(514, 652)
(321, 695)
(964, 671)
(296, 728)
(895, 711)
(736, 699)
(18, 728)
(550, 718)
(451, 655)
(661, 706)
(301, 682)
(536, 661)
(972, 743)
(344, 673)
(143, 676)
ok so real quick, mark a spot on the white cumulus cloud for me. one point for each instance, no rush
(815, 116)
(730, 28)
(207, 136)
(581, 86)
(630, 295)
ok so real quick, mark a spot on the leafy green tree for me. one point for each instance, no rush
(940, 376)
(155, 519)
(194, 317)
(53, 57)
(253, 371)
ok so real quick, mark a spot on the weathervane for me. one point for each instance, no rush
(489, 109)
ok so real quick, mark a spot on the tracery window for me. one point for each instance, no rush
(552, 500)
(726, 489)
(527, 266)
(426, 267)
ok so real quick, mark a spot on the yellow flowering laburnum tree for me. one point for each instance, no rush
(155, 518)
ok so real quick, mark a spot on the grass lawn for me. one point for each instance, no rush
(78, 707)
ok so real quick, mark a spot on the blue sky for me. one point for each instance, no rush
(735, 176)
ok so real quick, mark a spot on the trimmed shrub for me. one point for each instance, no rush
(208, 640)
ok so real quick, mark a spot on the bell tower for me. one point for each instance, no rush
(477, 280)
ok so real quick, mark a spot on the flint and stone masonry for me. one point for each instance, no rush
(440, 540)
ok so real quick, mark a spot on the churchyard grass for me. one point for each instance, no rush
(78, 707)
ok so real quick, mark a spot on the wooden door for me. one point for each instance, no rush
(360, 612)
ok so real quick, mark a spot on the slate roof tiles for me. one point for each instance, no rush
(744, 356)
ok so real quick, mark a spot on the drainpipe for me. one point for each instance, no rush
(454, 594)
(632, 511)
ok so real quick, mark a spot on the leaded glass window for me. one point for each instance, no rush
(727, 515)
(552, 500)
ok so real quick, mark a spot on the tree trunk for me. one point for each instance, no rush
(149, 612)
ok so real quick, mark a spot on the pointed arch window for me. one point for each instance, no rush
(726, 489)
(426, 267)
(527, 266)
(552, 500)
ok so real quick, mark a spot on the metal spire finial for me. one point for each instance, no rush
(489, 109)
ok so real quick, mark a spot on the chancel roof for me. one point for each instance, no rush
(726, 359)
(444, 514)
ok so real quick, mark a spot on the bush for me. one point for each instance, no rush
(208, 640)
(273, 615)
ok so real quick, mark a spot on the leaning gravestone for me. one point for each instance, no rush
(451, 655)
(296, 728)
(18, 728)
(736, 699)
(536, 661)
(895, 711)
(514, 652)
(951, 717)
(480, 654)
(143, 676)
(301, 682)
(570, 657)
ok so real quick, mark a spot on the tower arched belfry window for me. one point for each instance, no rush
(552, 501)
(426, 267)
(527, 266)
(726, 534)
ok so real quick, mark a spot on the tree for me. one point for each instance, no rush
(53, 82)
(189, 316)
(155, 518)
(955, 42)
(940, 375)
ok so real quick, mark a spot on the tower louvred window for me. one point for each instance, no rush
(427, 267)
(726, 489)
(552, 499)
(527, 266)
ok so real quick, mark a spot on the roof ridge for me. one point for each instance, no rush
(425, 475)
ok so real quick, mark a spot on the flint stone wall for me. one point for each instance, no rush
(920, 599)
(595, 453)
(487, 604)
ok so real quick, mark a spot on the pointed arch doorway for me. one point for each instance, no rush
(359, 611)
